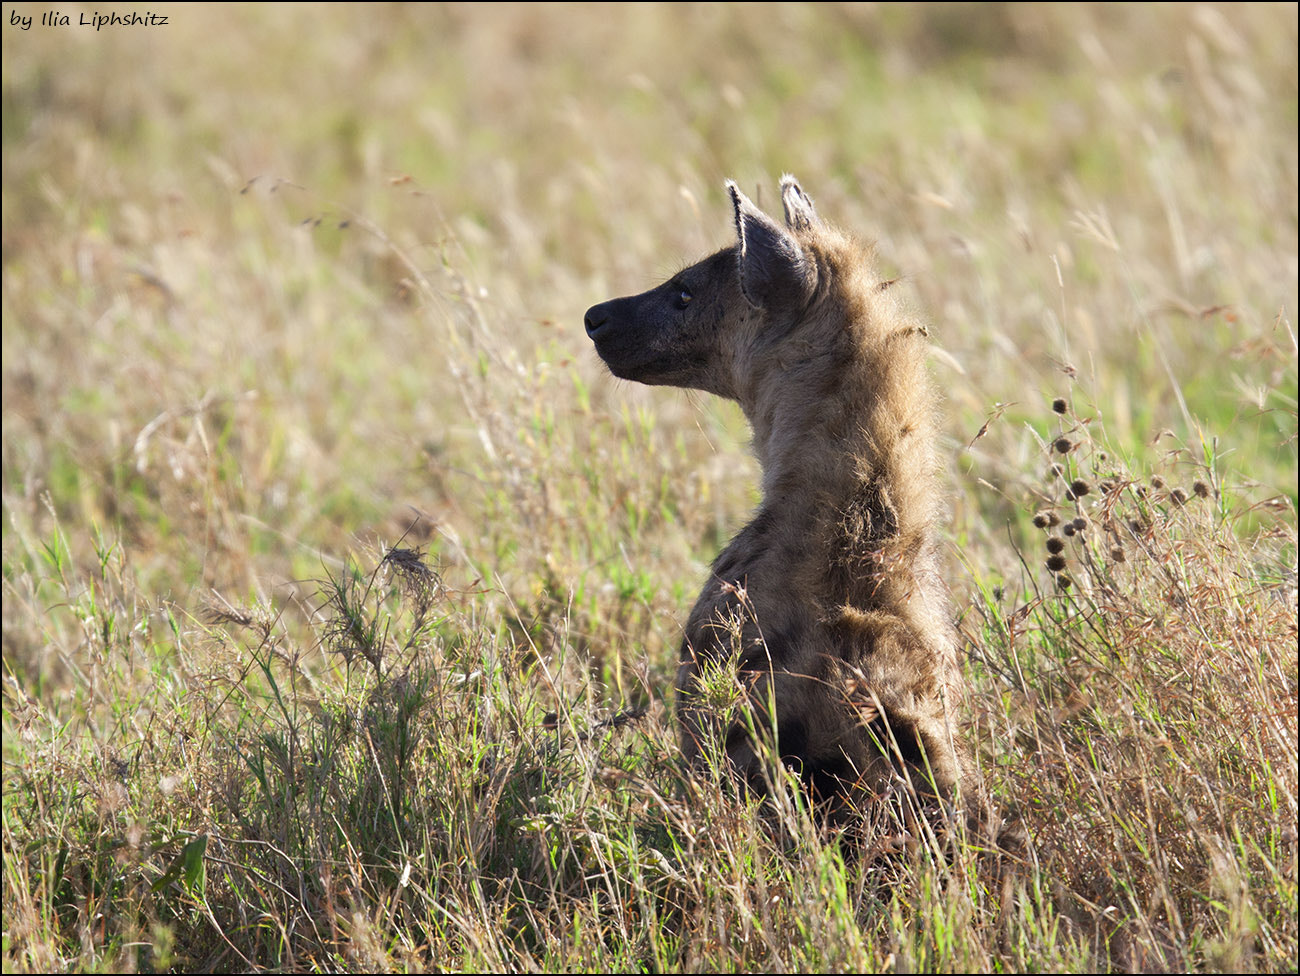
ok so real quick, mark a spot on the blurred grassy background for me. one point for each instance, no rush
(1108, 188)
(280, 278)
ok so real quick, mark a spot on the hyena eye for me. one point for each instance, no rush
(684, 297)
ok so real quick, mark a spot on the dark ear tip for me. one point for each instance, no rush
(738, 199)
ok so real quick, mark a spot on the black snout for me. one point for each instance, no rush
(597, 318)
(639, 346)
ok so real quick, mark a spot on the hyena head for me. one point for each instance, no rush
(712, 326)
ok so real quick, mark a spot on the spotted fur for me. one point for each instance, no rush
(829, 605)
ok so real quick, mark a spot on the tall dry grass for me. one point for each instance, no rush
(343, 588)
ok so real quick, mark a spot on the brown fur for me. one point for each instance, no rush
(829, 603)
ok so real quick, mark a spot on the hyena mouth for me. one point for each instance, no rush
(623, 348)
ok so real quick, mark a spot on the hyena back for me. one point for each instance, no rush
(829, 605)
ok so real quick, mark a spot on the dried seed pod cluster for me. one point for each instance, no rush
(1123, 507)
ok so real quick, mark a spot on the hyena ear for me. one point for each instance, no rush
(775, 273)
(799, 212)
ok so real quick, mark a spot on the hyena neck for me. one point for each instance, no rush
(849, 470)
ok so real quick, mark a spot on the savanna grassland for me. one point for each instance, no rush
(343, 587)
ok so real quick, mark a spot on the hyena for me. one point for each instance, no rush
(829, 605)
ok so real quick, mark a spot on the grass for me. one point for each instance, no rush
(342, 587)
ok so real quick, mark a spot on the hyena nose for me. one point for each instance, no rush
(597, 318)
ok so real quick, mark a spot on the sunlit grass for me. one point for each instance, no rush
(343, 588)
